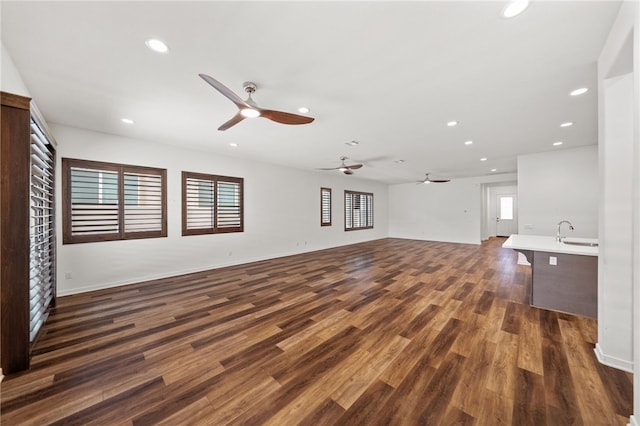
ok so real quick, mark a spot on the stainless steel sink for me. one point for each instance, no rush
(580, 243)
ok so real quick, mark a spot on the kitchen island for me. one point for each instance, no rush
(564, 275)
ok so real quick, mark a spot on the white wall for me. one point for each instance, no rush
(450, 212)
(558, 185)
(282, 215)
(615, 269)
(10, 79)
(619, 259)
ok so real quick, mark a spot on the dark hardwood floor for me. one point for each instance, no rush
(389, 332)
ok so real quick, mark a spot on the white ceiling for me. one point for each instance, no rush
(387, 74)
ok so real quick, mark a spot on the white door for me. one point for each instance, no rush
(506, 215)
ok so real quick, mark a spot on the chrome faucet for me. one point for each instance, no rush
(558, 236)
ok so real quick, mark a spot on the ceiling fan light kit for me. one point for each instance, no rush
(347, 169)
(249, 109)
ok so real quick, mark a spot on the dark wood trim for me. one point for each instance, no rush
(215, 179)
(15, 101)
(348, 191)
(323, 189)
(121, 169)
(14, 228)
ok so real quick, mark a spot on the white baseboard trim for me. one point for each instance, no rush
(169, 274)
(611, 361)
(175, 273)
(633, 421)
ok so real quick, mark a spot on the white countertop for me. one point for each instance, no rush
(549, 244)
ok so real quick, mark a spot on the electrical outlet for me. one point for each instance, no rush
(553, 260)
(68, 276)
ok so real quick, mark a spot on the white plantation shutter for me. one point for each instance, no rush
(106, 201)
(42, 273)
(142, 202)
(199, 196)
(211, 204)
(94, 202)
(229, 207)
(358, 210)
(325, 206)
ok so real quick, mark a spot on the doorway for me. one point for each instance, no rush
(506, 215)
(491, 193)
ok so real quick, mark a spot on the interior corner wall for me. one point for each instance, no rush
(449, 212)
(10, 79)
(281, 214)
(558, 185)
(619, 228)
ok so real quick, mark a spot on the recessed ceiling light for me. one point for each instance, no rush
(157, 45)
(468, 143)
(452, 123)
(233, 145)
(483, 159)
(494, 170)
(557, 143)
(352, 143)
(579, 91)
(399, 161)
(303, 110)
(127, 120)
(515, 8)
(567, 124)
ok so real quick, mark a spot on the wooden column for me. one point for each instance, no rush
(14, 233)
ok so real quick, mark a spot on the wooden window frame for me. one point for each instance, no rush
(349, 193)
(121, 169)
(322, 206)
(215, 179)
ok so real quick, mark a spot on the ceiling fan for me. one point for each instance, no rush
(344, 168)
(427, 180)
(248, 108)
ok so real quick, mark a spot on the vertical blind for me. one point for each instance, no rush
(358, 210)
(106, 201)
(211, 204)
(42, 229)
(325, 206)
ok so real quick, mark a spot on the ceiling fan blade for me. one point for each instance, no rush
(348, 172)
(439, 180)
(285, 117)
(233, 121)
(354, 166)
(328, 168)
(225, 91)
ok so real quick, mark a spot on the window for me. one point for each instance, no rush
(107, 201)
(506, 208)
(358, 210)
(211, 204)
(325, 206)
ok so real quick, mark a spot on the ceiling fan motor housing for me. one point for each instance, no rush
(249, 87)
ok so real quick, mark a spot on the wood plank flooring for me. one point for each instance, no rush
(389, 332)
